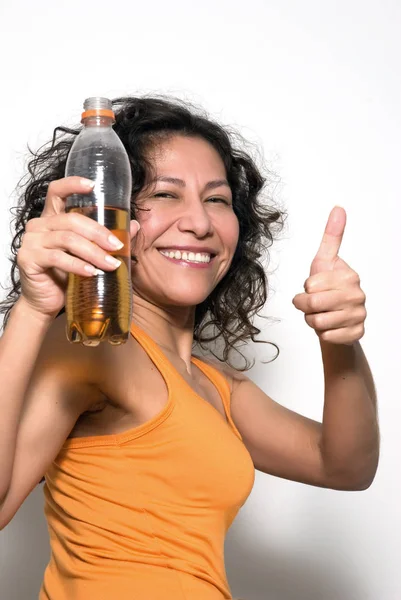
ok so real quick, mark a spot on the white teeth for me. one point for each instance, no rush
(198, 257)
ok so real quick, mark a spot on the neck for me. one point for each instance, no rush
(171, 328)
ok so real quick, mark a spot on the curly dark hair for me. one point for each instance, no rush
(227, 314)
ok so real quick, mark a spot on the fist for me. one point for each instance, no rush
(333, 302)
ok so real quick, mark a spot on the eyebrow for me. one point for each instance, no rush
(209, 186)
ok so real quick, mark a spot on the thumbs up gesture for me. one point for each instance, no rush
(333, 302)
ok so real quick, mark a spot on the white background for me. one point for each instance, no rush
(317, 86)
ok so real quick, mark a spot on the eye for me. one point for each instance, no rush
(163, 195)
(216, 199)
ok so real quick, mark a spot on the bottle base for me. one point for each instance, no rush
(92, 333)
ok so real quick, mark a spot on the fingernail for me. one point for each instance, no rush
(93, 271)
(90, 269)
(112, 261)
(88, 183)
(115, 242)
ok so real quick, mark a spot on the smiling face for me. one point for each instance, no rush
(189, 231)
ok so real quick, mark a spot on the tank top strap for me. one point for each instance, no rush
(173, 378)
(155, 353)
(223, 387)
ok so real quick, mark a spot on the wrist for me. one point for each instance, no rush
(339, 358)
(25, 310)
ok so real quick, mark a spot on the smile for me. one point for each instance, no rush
(190, 257)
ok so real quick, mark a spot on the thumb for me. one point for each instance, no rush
(134, 227)
(327, 253)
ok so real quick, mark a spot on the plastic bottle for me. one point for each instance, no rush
(99, 308)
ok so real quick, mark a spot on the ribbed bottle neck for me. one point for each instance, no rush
(97, 121)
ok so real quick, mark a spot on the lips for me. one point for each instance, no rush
(188, 259)
(197, 257)
(194, 249)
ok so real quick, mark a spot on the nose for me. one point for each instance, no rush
(194, 218)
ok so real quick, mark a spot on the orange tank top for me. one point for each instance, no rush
(142, 515)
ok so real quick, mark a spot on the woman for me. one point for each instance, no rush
(147, 451)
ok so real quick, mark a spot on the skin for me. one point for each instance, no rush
(333, 302)
(341, 452)
(165, 294)
(280, 441)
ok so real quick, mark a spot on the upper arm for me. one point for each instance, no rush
(57, 394)
(280, 441)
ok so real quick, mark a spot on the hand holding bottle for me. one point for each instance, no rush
(58, 243)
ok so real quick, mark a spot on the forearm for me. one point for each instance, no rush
(19, 348)
(350, 432)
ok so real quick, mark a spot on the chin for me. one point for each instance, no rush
(184, 300)
(183, 295)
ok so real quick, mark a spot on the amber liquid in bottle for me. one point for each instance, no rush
(99, 307)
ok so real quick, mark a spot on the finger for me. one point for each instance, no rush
(320, 302)
(344, 335)
(63, 263)
(331, 280)
(80, 247)
(60, 189)
(64, 223)
(337, 319)
(332, 237)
